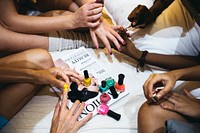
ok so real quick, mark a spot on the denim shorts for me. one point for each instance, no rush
(3, 121)
(175, 126)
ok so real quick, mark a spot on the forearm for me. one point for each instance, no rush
(32, 24)
(171, 62)
(10, 19)
(17, 75)
(16, 42)
(192, 73)
(159, 6)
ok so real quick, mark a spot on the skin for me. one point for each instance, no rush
(89, 15)
(64, 120)
(28, 71)
(163, 61)
(174, 106)
(141, 16)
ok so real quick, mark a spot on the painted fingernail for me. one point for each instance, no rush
(124, 42)
(66, 86)
(120, 49)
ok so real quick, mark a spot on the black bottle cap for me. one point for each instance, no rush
(74, 86)
(114, 115)
(103, 83)
(113, 92)
(121, 79)
(86, 75)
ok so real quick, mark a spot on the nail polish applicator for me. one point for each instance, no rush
(119, 86)
(103, 109)
(87, 79)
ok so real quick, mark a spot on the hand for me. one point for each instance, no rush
(88, 15)
(64, 120)
(141, 17)
(57, 76)
(129, 49)
(106, 32)
(184, 104)
(167, 79)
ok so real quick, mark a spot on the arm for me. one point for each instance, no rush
(55, 76)
(169, 79)
(32, 24)
(141, 16)
(169, 62)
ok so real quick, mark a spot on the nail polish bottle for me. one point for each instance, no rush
(104, 98)
(87, 79)
(103, 87)
(119, 86)
(103, 109)
(113, 92)
(110, 82)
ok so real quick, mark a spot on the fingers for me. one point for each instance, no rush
(56, 111)
(188, 94)
(64, 101)
(94, 39)
(73, 108)
(86, 119)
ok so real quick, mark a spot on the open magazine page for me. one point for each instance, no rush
(81, 60)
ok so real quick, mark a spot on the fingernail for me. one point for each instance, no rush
(110, 53)
(124, 42)
(120, 49)
(65, 87)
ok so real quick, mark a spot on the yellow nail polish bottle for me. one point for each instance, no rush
(87, 79)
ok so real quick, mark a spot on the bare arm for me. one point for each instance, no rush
(31, 24)
(169, 62)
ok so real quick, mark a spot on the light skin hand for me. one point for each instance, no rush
(106, 33)
(184, 104)
(64, 120)
(88, 15)
(57, 76)
(167, 79)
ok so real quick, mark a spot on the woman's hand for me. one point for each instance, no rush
(64, 120)
(184, 104)
(57, 76)
(167, 79)
(140, 17)
(88, 15)
(106, 33)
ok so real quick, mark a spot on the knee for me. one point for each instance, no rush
(42, 58)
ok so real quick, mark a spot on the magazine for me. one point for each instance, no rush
(81, 59)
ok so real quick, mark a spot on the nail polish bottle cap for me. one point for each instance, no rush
(86, 75)
(114, 115)
(113, 92)
(74, 86)
(120, 79)
(103, 83)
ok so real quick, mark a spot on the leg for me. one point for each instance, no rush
(151, 118)
(14, 96)
(33, 59)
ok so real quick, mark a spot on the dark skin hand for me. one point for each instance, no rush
(140, 17)
(160, 60)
